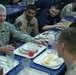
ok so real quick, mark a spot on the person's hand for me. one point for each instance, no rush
(7, 48)
(60, 26)
(54, 52)
(40, 42)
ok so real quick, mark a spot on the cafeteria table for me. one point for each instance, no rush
(60, 71)
(71, 19)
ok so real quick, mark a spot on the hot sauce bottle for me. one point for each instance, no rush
(75, 19)
(1, 70)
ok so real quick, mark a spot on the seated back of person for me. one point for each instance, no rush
(64, 2)
(4, 1)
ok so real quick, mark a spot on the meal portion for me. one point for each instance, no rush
(48, 60)
(25, 48)
(63, 25)
(52, 60)
(44, 35)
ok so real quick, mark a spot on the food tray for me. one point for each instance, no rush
(39, 60)
(40, 49)
(66, 24)
(3, 63)
(45, 35)
(35, 72)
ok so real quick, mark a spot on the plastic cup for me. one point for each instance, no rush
(31, 49)
(10, 59)
(25, 66)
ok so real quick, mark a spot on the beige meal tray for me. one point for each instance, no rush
(3, 63)
(51, 61)
(45, 35)
(39, 49)
(34, 72)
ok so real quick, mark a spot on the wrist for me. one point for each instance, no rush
(55, 26)
(1, 49)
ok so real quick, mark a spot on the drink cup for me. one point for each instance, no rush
(10, 59)
(25, 66)
(31, 49)
(50, 38)
(54, 45)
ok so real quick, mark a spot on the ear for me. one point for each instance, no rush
(62, 46)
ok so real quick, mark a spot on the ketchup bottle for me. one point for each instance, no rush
(1, 70)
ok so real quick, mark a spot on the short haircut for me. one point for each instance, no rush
(57, 6)
(31, 6)
(68, 37)
(2, 7)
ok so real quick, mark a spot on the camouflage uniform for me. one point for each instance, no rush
(67, 11)
(8, 29)
(72, 69)
(25, 26)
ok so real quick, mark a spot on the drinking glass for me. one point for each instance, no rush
(31, 49)
(10, 59)
(54, 45)
(25, 66)
(50, 38)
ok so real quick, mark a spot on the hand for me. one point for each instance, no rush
(61, 26)
(40, 42)
(7, 49)
(54, 52)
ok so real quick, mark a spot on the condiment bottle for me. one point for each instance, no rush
(1, 70)
(75, 19)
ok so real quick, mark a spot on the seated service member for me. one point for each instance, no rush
(27, 23)
(48, 17)
(69, 10)
(7, 29)
(67, 49)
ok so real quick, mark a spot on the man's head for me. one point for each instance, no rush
(67, 42)
(55, 9)
(2, 14)
(30, 11)
(74, 4)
